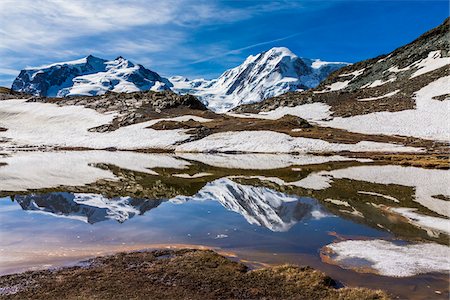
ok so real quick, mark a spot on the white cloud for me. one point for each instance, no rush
(45, 23)
(44, 31)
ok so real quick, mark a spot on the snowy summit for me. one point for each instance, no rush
(260, 76)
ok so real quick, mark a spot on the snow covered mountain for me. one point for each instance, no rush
(89, 208)
(403, 93)
(260, 76)
(88, 76)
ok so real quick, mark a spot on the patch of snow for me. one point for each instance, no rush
(429, 120)
(378, 82)
(49, 125)
(338, 202)
(380, 97)
(187, 176)
(314, 181)
(336, 86)
(395, 69)
(379, 195)
(311, 112)
(433, 61)
(354, 73)
(389, 259)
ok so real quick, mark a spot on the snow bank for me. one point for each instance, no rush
(432, 62)
(378, 82)
(45, 124)
(274, 142)
(311, 112)
(389, 259)
(380, 97)
(429, 120)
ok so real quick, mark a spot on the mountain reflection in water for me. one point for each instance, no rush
(258, 205)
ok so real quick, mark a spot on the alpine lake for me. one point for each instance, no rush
(339, 215)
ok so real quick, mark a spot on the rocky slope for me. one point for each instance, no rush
(403, 93)
(88, 76)
(260, 76)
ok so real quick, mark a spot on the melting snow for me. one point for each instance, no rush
(380, 97)
(429, 120)
(390, 259)
(379, 195)
(433, 61)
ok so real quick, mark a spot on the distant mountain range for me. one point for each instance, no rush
(88, 76)
(264, 75)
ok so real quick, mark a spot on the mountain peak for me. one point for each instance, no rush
(281, 51)
(267, 74)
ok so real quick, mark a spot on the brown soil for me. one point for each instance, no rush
(7, 93)
(176, 274)
(422, 160)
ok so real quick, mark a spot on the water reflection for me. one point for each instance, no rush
(89, 208)
(258, 205)
(228, 201)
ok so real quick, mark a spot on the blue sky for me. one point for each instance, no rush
(202, 38)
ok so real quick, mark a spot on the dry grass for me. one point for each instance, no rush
(177, 274)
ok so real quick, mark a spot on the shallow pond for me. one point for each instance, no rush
(361, 223)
